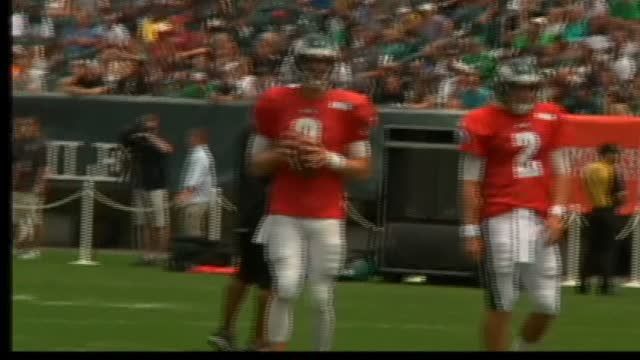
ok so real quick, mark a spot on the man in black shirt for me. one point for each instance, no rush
(134, 82)
(253, 266)
(28, 175)
(149, 153)
(606, 189)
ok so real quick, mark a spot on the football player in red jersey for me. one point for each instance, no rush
(310, 139)
(515, 187)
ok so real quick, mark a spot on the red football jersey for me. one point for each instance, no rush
(517, 149)
(336, 120)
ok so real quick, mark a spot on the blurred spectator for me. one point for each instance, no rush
(133, 80)
(482, 61)
(434, 25)
(553, 26)
(116, 32)
(424, 54)
(617, 103)
(199, 88)
(577, 27)
(624, 50)
(86, 79)
(392, 91)
(473, 94)
(84, 38)
(30, 23)
(20, 67)
(268, 54)
(584, 100)
(626, 9)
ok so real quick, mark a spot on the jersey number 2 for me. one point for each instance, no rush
(529, 144)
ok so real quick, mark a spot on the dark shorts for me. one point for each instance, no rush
(254, 268)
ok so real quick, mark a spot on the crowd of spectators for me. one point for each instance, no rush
(406, 53)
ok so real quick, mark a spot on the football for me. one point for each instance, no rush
(304, 156)
(298, 163)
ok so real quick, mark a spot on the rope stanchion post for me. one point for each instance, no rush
(215, 214)
(573, 254)
(635, 254)
(85, 252)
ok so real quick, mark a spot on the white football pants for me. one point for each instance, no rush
(516, 255)
(299, 249)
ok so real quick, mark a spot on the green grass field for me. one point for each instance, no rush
(118, 307)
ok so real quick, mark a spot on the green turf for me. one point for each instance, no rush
(58, 306)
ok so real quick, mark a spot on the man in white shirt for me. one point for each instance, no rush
(198, 178)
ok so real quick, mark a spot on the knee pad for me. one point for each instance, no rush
(546, 299)
(501, 291)
(288, 280)
(322, 293)
(287, 291)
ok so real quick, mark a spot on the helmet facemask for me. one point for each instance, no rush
(315, 70)
(520, 98)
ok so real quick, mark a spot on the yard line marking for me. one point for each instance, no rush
(173, 307)
(23, 297)
(142, 306)
(89, 303)
(242, 324)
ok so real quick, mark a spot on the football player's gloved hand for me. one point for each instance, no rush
(287, 147)
(312, 154)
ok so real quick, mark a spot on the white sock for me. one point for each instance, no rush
(521, 345)
(280, 321)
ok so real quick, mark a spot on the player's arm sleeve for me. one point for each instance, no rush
(473, 139)
(358, 163)
(472, 167)
(265, 116)
(257, 144)
(474, 136)
(261, 160)
(365, 119)
(472, 173)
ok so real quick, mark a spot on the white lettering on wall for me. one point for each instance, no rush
(104, 161)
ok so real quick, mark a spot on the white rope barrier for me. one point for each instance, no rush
(633, 229)
(61, 202)
(215, 214)
(574, 224)
(218, 203)
(113, 204)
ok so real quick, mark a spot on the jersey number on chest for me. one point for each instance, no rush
(528, 145)
(308, 127)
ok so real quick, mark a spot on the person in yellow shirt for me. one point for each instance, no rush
(605, 188)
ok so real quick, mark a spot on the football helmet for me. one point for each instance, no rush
(517, 84)
(315, 56)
